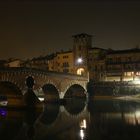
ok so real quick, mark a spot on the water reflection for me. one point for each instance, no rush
(114, 120)
(111, 120)
(49, 114)
(3, 112)
(83, 126)
(27, 129)
(113, 106)
(56, 123)
(10, 123)
(75, 106)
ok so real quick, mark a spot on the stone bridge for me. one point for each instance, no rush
(60, 81)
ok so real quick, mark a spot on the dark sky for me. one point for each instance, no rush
(30, 28)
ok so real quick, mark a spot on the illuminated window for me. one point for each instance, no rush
(129, 73)
(80, 71)
(138, 73)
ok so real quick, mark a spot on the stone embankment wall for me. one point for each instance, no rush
(115, 88)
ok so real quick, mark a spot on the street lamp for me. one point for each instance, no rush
(79, 60)
(80, 70)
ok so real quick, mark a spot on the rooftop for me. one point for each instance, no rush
(133, 50)
(82, 35)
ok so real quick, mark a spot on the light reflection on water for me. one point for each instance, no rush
(98, 120)
(3, 112)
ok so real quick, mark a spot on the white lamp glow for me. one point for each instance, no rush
(79, 60)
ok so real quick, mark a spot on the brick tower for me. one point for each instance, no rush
(81, 45)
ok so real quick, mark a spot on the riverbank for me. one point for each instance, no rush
(113, 88)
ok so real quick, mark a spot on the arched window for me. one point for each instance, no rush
(80, 71)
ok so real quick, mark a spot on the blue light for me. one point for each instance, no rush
(3, 112)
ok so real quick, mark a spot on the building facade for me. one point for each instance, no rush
(123, 65)
(97, 63)
(62, 62)
(14, 63)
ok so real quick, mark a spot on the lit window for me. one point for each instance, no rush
(129, 73)
(80, 71)
(138, 73)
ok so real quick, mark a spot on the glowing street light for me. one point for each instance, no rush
(79, 60)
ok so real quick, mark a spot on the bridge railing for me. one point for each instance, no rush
(44, 72)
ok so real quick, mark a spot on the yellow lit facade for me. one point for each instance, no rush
(62, 62)
(97, 63)
(14, 63)
(75, 61)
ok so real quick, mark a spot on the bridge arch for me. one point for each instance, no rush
(50, 92)
(73, 88)
(9, 86)
(12, 93)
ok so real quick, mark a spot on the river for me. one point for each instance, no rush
(75, 120)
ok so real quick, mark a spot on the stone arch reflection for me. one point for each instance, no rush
(75, 106)
(10, 94)
(51, 93)
(75, 91)
(7, 88)
(30, 99)
(49, 114)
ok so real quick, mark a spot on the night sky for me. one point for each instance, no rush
(30, 28)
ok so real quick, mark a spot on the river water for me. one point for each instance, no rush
(75, 120)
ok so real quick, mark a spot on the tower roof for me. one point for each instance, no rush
(82, 35)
